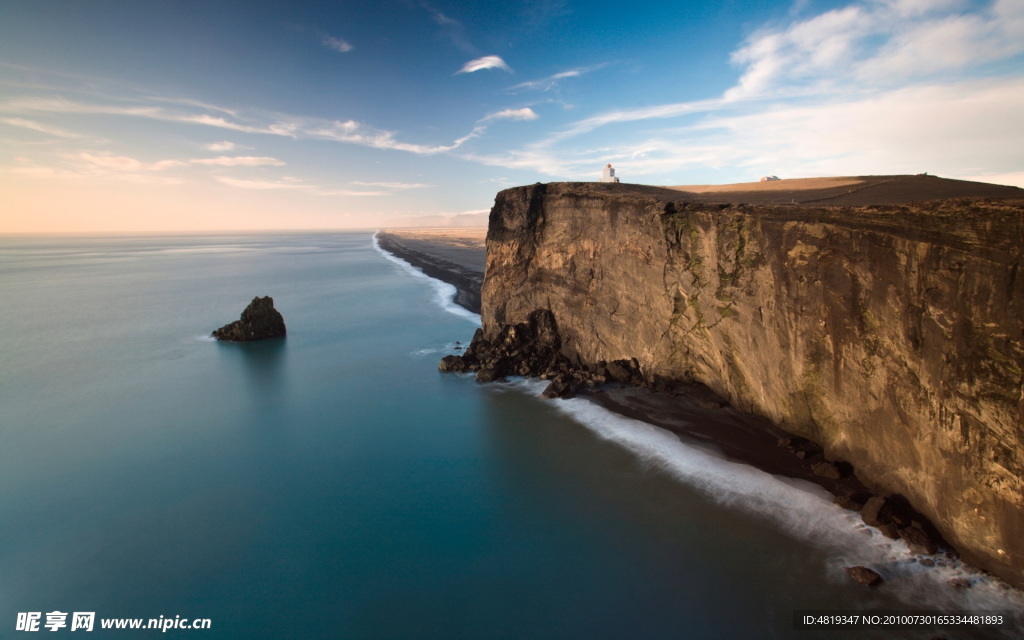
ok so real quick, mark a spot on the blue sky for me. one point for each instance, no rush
(118, 115)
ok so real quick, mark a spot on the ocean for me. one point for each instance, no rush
(333, 484)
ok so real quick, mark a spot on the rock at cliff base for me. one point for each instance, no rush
(625, 371)
(560, 387)
(853, 500)
(876, 512)
(488, 374)
(918, 540)
(453, 364)
(826, 469)
(259, 321)
(864, 576)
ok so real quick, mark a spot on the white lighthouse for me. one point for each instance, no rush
(609, 174)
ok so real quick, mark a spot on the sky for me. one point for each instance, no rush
(126, 116)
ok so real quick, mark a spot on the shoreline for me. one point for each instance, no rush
(454, 256)
(699, 417)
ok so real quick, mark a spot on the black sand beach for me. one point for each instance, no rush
(455, 256)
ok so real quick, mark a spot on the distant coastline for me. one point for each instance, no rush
(456, 256)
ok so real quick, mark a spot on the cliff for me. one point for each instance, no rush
(892, 335)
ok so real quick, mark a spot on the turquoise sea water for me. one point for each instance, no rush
(333, 484)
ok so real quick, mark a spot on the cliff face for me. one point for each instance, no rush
(891, 335)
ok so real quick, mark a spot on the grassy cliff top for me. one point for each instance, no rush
(850, 191)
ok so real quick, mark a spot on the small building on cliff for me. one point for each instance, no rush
(609, 174)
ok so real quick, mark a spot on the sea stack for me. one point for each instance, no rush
(259, 321)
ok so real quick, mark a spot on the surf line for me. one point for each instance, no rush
(445, 293)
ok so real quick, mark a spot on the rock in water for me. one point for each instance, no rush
(259, 321)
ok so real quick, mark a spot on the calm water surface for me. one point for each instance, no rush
(334, 485)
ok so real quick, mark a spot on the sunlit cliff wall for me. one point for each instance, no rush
(893, 336)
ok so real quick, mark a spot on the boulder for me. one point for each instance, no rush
(488, 374)
(889, 530)
(826, 469)
(876, 512)
(801, 447)
(259, 321)
(918, 540)
(560, 387)
(454, 364)
(852, 500)
(864, 576)
(626, 372)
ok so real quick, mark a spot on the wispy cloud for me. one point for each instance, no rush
(348, 131)
(112, 162)
(337, 44)
(205, 119)
(122, 163)
(261, 185)
(393, 185)
(442, 19)
(633, 115)
(40, 127)
(350, 193)
(552, 81)
(89, 167)
(526, 113)
(540, 13)
(51, 174)
(239, 161)
(189, 102)
(293, 184)
(62, 105)
(486, 62)
(451, 29)
(355, 133)
(220, 146)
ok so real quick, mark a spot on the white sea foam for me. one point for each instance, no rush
(803, 510)
(206, 338)
(445, 292)
(444, 349)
